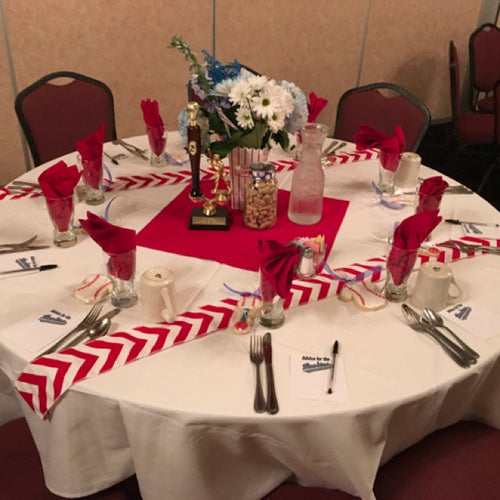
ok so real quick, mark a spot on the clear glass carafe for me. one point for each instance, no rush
(308, 181)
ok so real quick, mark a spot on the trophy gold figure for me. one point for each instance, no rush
(210, 215)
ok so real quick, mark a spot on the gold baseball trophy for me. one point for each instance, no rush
(211, 214)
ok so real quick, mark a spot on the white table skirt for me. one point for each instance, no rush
(183, 419)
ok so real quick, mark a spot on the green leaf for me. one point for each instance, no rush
(282, 139)
(254, 138)
(221, 148)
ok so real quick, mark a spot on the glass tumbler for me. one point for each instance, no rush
(272, 314)
(121, 271)
(157, 137)
(92, 173)
(61, 214)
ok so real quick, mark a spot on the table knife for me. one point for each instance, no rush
(272, 402)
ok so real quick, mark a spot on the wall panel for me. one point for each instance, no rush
(121, 43)
(313, 43)
(407, 44)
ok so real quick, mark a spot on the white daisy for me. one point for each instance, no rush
(265, 104)
(239, 93)
(244, 117)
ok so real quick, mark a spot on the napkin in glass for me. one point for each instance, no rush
(277, 266)
(408, 237)
(90, 150)
(154, 125)
(315, 106)
(430, 193)
(118, 242)
(57, 184)
(390, 147)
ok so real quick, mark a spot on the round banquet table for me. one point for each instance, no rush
(183, 420)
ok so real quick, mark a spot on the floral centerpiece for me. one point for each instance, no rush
(239, 108)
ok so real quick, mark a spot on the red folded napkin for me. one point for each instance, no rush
(118, 242)
(390, 147)
(90, 150)
(154, 125)
(408, 237)
(430, 193)
(57, 184)
(277, 266)
(315, 106)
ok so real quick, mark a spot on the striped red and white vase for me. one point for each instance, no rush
(240, 160)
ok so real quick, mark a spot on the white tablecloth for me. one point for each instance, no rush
(183, 419)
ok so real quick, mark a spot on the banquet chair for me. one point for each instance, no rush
(21, 474)
(496, 158)
(469, 129)
(383, 106)
(459, 462)
(484, 57)
(54, 113)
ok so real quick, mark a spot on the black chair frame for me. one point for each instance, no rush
(398, 90)
(42, 81)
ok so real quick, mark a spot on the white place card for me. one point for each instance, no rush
(310, 378)
(473, 317)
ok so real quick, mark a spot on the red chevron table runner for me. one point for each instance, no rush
(125, 182)
(46, 379)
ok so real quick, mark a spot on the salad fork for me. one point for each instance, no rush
(85, 323)
(257, 357)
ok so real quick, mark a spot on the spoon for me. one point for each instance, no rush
(436, 320)
(414, 322)
(98, 329)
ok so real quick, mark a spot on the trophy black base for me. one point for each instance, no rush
(216, 222)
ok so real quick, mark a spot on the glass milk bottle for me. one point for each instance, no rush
(308, 181)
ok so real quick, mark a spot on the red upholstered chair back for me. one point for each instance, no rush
(61, 108)
(484, 54)
(383, 106)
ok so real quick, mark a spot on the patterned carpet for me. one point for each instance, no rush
(468, 168)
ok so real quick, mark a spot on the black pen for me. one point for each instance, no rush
(335, 351)
(31, 269)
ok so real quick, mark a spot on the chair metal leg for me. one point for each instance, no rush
(486, 177)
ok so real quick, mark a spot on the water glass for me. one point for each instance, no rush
(400, 263)
(272, 314)
(92, 173)
(121, 271)
(157, 137)
(61, 213)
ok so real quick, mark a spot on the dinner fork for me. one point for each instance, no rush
(86, 322)
(449, 347)
(257, 357)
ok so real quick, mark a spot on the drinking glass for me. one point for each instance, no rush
(272, 313)
(92, 173)
(121, 271)
(388, 166)
(400, 263)
(61, 214)
(157, 137)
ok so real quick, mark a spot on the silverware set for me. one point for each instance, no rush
(23, 246)
(140, 153)
(331, 149)
(261, 352)
(430, 322)
(91, 324)
(469, 248)
(23, 186)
